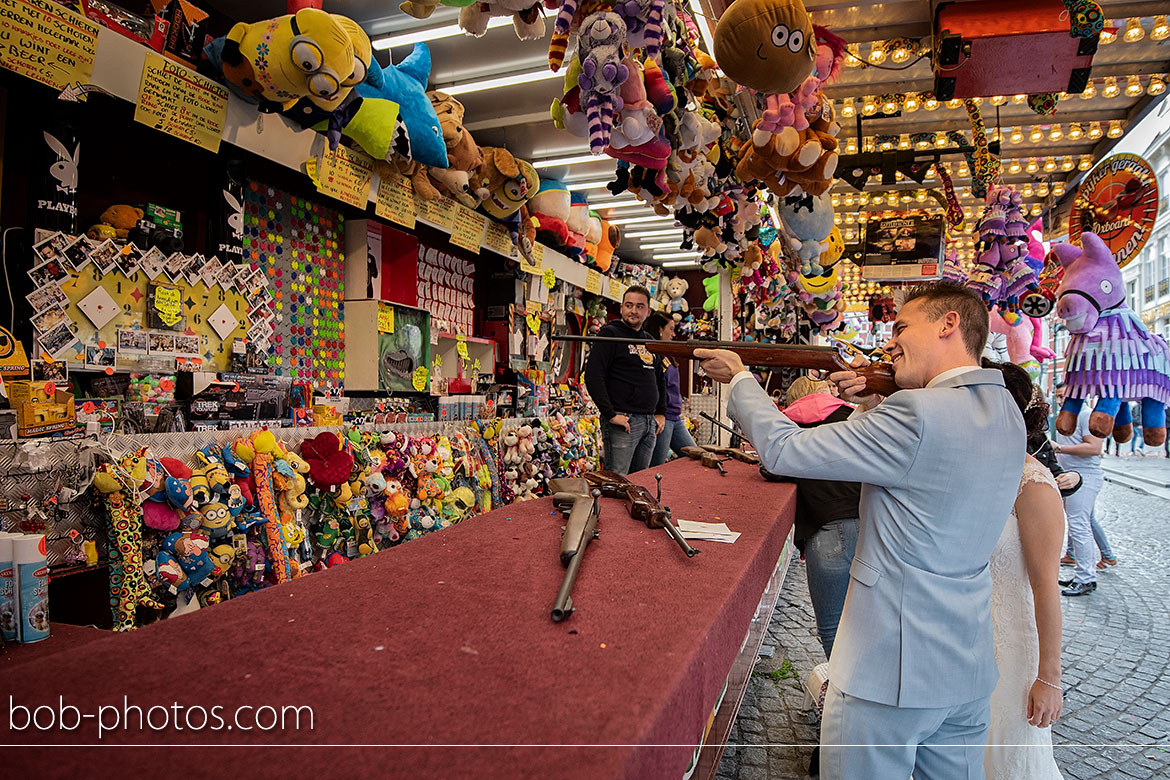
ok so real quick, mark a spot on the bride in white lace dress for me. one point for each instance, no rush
(1025, 611)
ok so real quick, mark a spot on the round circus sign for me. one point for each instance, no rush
(1118, 201)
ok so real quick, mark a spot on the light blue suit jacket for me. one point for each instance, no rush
(939, 469)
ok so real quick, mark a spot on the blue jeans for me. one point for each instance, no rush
(627, 452)
(674, 436)
(1098, 537)
(828, 555)
(1135, 441)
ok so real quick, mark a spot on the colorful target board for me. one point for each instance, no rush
(1118, 201)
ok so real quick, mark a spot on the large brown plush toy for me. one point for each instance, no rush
(463, 156)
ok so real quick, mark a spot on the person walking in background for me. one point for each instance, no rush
(1107, 557)
(1137, 442)
(674, 435)
(827, 513)
(627, 384)
(1080, 451)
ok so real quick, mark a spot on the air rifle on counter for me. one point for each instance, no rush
(879, 375)
(581, 510)
(708, 459)
(642, 505)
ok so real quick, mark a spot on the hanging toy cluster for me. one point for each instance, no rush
(1002, 273)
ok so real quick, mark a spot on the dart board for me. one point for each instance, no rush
(1118, 201)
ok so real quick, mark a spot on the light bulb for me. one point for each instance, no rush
(1114, 129)
(1075, 132)
(941, 140)
(1111, 89)
(920, 196)
(1049, 165)
(1058, 189)
(1067, 163)
(1014, 167)
(1032, 165)
(1035, 135)
(930, 104)
(849, 199)
(1095, 130)
(1161, 29)
(954, 103)
(904, 142)
(898, 176)
(1090, 91)
(851, 146)
(1133, 87)
(911, 104)
(1108, 34)
(1134, 31)
(869, 106)
(906, 197)
(1056, 133)
(901, 54)
(1042, 190)
(1085, 164)
(877, 53)
(1017, 135)
(848, 109)
(836, 218)
(998, 100)
(1157, 85)
(890, 106)
(835, 199)
(886, 145)
(963, 170)
(1017, 99)
(863, 198)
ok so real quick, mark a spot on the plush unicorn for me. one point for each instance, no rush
(1111, 355)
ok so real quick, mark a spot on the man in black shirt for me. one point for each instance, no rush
(629, 387)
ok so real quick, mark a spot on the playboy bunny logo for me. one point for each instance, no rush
(235, 220)
(65, 169)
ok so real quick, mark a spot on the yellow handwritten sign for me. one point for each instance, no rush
(396, 200)
(385, 319)
(532, 307)
(533, 266)
(592, 282)
(168, 304)
(468, 228)
(47, 43)
(345, 174)
(419, 378)
(499, 241)
(439, 212)
(179, 102)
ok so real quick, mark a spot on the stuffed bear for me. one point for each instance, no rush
(116, 222)
(676, 290)
(463, 156)
(527, 17)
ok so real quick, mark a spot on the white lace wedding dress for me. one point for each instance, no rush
(1016, 750)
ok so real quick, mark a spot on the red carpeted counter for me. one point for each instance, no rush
(443, 641)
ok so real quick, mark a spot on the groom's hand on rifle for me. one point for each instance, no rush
(719, 364)
(851, 387)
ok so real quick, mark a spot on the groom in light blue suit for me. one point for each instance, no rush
(913, 666)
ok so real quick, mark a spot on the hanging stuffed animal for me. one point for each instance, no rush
(766, 45)
(526, 15)
(1111, 354)
(600, 44)
(808, 220)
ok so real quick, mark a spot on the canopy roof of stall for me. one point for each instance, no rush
(1041, 155)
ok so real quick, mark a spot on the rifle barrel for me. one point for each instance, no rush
(676, 534)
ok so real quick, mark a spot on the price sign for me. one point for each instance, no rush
(467, 228)
(47, 43)
(439, 212)
(592, 282)
(396, 200)
(345, 174)
(179, 102)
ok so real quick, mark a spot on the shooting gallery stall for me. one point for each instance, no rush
(449, 641)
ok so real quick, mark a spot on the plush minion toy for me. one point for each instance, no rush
(279, 61)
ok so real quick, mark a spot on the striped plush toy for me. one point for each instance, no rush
(600, 47)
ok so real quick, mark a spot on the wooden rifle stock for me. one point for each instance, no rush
(579, 503)
(642, 505)
(879, 377)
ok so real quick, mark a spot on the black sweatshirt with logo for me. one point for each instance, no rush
(625, 378)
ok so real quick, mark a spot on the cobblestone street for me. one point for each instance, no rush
(1115, 654)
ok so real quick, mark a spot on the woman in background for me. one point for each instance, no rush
(674, 435)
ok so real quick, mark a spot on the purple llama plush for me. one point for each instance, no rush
(1111, 355)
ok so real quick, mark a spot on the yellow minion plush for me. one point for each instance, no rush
(279, 61)
(503, 183)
